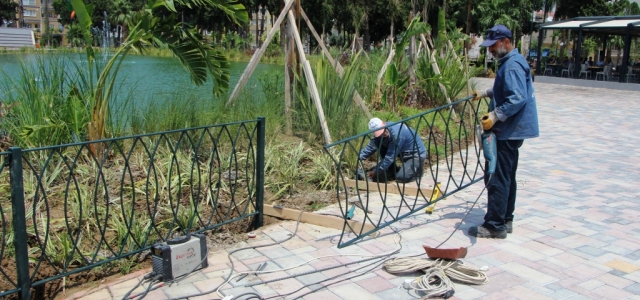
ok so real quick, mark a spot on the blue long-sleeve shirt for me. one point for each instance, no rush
(402, 141)
(513, 99)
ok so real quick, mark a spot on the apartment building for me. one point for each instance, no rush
(34, 15)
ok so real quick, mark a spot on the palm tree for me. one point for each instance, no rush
(158, 25)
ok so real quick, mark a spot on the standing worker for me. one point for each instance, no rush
(512, 117)
(397, 140)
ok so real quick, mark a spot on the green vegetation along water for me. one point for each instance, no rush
(149, 78)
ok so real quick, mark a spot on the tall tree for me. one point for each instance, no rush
(8, 9)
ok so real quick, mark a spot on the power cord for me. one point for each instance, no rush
(145, 278)
(146, 291)
(231, 261)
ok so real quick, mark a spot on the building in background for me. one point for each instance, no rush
(34, 15)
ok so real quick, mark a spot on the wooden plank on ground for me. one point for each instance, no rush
(391, 187)
(315, 219)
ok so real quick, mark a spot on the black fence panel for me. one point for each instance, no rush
(93, 203)
(453, 161)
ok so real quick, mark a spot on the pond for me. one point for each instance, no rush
(151, 78)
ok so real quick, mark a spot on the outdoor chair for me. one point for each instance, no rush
(606, 73)
(583, 70)
(568, 71)
(548, 70)
(631, 75)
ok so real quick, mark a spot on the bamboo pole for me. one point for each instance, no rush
(311, 82)
(436, 70)
(336, 64)
(287, 81)
(257, 56)
(392, 53)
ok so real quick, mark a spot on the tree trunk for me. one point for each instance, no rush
(391, 35)
(468, 29)
(367, 39)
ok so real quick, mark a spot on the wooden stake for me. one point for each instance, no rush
(392, 53)
(257, 56)
(390, 187)
(311, 82)
(317, 219)
(436, 70)
(335, 64)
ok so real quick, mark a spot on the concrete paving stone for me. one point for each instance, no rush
(541, 289)
(633, 255)
(610, 292)
(591, 284)
(375, 284)
(521, 292)
(264, 290)
(353, 291)
(622, 266)
(592, 251)
(527, 273)
(210, 283)
(635, 276)
(234, 291)
(102, 294)
(522, 251)
(470, 294)
(614, 281)
(274, 253)
(617, 249)
(500, 282)
(562, 294)
(180, 290)
(305, 249)
(322, 295)
(633, 288)
(392, 293)
(311, 279)
(555, 233)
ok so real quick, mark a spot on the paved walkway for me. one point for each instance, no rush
(576, 233)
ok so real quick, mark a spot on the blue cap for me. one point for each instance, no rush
(496, 33)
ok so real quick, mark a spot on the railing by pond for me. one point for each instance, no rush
(69, 208)
(453, 162)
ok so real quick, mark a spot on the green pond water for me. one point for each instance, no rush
(145, 78)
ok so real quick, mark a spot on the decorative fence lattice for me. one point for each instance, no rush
(453, 162)
(78, 206)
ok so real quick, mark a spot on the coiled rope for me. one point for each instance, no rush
(438, 274)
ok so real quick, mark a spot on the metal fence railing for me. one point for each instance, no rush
(453, 162)
(78, 206)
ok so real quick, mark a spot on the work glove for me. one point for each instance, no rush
(477, 95)
(488, 120)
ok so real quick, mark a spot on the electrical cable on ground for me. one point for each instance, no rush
(145, 278)
(156, 278)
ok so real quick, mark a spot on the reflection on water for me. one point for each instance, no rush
(150, 78)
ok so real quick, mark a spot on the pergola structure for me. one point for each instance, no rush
(626, 26)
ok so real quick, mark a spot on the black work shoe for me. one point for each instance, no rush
(483, 232)
(509, 226)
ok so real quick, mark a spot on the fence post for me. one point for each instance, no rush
(19, 223)
(259, 221)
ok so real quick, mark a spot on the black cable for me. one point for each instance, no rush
(156, 278)
(146, 277)
(467, 214)
(231, 260)
(255, 296)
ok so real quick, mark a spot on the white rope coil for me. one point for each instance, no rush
(455, 270)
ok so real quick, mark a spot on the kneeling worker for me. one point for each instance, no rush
(397, 140)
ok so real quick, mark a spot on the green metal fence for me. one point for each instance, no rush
(78, 206)
(452, 163)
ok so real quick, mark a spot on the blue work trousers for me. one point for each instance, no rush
(502, 186)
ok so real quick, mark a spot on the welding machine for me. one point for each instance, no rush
(179, 256)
